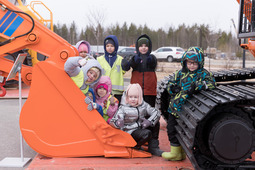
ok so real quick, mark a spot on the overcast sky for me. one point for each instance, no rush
(154, 13)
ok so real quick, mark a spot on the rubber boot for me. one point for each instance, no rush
(153, 147)
(153, 144)
(174, 155)
(183, 154)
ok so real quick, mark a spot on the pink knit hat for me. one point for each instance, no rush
(135, 89)
(102, 86)
(83, 47)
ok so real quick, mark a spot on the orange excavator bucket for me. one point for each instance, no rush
(55, 121)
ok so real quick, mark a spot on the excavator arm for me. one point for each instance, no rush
(21, 31)
(54, 120)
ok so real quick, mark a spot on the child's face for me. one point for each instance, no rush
(143, 49)
(110, 48)
(192, 65)
(101, 92)
(133, 100)
(83, 54)
(92, 75)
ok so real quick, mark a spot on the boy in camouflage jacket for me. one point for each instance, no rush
(184, 83)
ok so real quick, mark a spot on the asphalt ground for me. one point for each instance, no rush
(10, 133)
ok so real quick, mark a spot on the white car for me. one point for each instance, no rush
(168, 53)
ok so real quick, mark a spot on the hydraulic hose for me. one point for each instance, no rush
(3, 7)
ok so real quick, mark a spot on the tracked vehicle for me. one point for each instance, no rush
(216, 128)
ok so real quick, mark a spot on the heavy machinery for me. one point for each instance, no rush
(32, 56)
(54, 120)
(32, 9)
(216, 128)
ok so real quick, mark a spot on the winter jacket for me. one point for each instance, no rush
(144, 67)
(112, 67)
(108, 109)
(188, 82)
(133, 116)
(79, 76)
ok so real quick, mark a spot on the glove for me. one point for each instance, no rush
(137, 59)
(175, 88)
(149, 59)
(120, 122)
(145, 123)
(82, 62)
(92, 106)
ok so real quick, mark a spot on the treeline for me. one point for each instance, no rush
(183, 36)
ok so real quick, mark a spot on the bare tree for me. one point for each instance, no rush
(96, 20)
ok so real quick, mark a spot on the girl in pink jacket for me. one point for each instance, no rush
(104, 98)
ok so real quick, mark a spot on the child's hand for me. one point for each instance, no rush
(112, 100)
(192, 89)
(149, 59)
(137, 59)
(120, 122)
(88, 100)
(175, 88)
(145, 123)
(83, 61)
(92, 106)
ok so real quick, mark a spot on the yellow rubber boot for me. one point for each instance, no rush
(183, 154)
(174, 155)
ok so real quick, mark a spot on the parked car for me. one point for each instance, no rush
(96, 54)
(96, 50)
(127, 52)
(168, 53)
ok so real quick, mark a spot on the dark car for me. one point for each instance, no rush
(127, 52)
(96, 54)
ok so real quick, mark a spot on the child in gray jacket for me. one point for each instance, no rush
(132, 113)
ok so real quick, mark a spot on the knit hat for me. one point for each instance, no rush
(143, 40)
(96, 70)
(102, 86)
(83, 47)
(109, 41)
(134, 89)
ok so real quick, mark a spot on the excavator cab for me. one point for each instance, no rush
(246, 25)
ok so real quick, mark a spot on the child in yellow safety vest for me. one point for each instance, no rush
(111, 64)
(104, 98)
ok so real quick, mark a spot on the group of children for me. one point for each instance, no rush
(133, 110)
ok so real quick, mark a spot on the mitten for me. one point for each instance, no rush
(191, 89)
(149, 59)
(200, 85)
(112, 100)
(137, 59)
(120, 122)
(92, 106)
(88, 100)
(175, 88)
(145, 123)
(82, 62)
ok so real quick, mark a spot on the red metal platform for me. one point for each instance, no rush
(99, 163)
